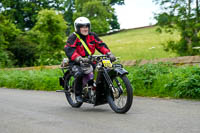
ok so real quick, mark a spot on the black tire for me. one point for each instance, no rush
(70, 91)
(127, 93)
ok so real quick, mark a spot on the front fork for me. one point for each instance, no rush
(116, 91)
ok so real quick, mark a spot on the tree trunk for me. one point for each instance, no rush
(197, 10)
(189, 44)
(197, 17)
(189, 8)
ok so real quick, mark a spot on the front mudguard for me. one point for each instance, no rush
(117, 71)
(120, 71)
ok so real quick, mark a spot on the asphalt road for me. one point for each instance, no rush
(48, 112)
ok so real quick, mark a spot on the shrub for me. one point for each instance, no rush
(186, 82)
(160, 80)
(24, 51)
(165, 80)
(8, 34)
(49, 34)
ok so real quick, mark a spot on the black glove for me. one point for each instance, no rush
(85, 60)
(81, 59)
(111, 56)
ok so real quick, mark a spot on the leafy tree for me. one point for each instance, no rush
(114, 22)
(24, 12)
(184, 16)
(49, 34)
(75, 7)
(118, 2)
(68, 14)
(96, 12)
(24, 51)
(8, 33)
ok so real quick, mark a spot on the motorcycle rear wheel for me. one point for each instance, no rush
(120, 100)
(70, 91)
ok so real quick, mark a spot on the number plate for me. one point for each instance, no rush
(107, 63)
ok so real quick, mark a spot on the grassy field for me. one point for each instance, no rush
(139, 44)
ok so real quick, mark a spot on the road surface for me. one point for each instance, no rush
(48, 112)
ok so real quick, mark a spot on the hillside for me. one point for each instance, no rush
(137, 44)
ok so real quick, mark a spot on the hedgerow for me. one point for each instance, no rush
(155, 80)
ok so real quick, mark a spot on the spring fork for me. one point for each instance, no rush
(120, 89)
(108, 80)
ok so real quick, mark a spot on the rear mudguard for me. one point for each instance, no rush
(62, 79)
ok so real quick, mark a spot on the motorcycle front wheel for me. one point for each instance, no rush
(121, 96)
(70, 91)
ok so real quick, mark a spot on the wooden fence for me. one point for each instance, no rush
(185, 60)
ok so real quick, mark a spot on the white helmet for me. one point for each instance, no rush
(81, 21)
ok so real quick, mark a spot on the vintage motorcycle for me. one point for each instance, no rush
(110, 85)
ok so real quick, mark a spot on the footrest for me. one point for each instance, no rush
(61, 91)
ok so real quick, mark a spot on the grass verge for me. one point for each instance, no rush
(154, 80)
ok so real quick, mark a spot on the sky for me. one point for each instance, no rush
(136, 13)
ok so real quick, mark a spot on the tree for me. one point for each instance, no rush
(97, 11)
(75, 7)
(24, 51)
(181, 15)
(8, 34)
(24, 12)
(49, 34)
(114, 24)
(15, 48)
(118, 2)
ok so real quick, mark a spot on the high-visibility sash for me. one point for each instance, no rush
(84, 45)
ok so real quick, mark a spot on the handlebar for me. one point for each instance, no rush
(97, 57)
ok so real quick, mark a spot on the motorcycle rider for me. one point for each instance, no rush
(80, 44)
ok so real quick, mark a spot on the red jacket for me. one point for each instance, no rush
(74, 47)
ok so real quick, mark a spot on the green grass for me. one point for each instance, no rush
(154, 80)
(139, 44)
(43, 79)
(165, 80)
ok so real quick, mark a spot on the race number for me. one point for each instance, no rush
(107, 63)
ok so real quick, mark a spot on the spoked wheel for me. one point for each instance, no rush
(70, 91)
(120, 98)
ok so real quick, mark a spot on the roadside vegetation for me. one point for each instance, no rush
(165, 80)
(43, 79)
(154, 80)
(35, 34)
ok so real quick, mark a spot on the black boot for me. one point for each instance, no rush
(78, 91)
(78, 74)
